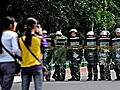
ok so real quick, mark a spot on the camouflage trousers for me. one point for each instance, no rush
(59, 73)
(75, 71)
(92, 70)
(105, 72)
(117, 70)
(59, 56)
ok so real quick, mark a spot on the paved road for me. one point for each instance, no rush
(76, 85)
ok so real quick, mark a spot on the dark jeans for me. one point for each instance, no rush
(27, 76)
(7, 72)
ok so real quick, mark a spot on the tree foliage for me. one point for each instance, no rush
(63, 15)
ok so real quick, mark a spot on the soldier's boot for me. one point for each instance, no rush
(71, 79)
(89, 76)
(102, 76)
(72, 71)
(78, 78)
(73, 76)
(95, 77)
(118, 76)
(77, 74)
(108, 74)
(116, 68)
(56, 74)
(89, 67)
(95, 72)
(62, 74)
(109, 79)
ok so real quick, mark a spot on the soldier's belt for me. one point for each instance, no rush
(104, 47)
(75, 47)
(90, 47)
(115, 47)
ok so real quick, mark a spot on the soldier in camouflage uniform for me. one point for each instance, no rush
(90, 53)
(74, 55)
(104, 54)
(116, 52)
(59, 56)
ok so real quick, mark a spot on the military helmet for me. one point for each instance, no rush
(44, 32)
(73, 30)
(105, 33)
(58, 33)
(117, 30)
(90, 33)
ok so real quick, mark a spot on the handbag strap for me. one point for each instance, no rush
(8, 52)
(30, 50)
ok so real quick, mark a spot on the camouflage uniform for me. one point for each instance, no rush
(90, 53)
(104, 58)
(74, 55)
(59, 56)
(116, 55)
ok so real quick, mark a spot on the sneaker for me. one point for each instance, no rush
(95, 78)
(101, 79)
(117, 79)
(109, 79)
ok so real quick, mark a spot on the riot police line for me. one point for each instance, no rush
(103, 52)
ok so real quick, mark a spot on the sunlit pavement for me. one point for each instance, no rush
(73, 85)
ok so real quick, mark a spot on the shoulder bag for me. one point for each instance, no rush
(16, 57)
(45, 70)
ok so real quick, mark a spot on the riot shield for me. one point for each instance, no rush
(60, 50)
(90, 50)
(59, 57)
(74, 50)
(116, 50)
(61, 42)
(74, 43)
(104, 51)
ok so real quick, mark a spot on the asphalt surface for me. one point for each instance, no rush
(83, 84)
(75, 85)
